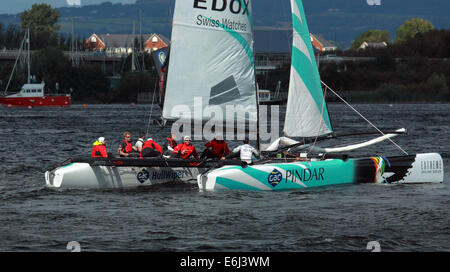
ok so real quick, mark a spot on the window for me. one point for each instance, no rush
(33, 91)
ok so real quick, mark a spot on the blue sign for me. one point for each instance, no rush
(143, 176)
(275, 177)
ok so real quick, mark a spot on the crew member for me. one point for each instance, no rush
(125, 146)
(245, 152)
(140, 142)
(151, 149)
(170, 144)
(99, 148)
(216, 148)
(185, 150)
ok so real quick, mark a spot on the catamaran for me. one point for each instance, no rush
(307, 117)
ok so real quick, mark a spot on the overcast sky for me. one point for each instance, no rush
(17, 6)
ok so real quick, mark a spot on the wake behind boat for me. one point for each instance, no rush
(102, 173)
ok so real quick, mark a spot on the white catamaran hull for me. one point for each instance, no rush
(420, 168)
(85, 176)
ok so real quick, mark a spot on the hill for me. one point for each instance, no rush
(339, 20)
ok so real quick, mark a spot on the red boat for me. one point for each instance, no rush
(33, 95)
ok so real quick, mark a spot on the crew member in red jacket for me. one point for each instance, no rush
(151, 149)
(170, 144)
(185, 150)
(217, 148)
(99, 148)
(126, 148)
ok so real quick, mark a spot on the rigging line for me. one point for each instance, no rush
(19, 55)
(363, 117)
(151, 109)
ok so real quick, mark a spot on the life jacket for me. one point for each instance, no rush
(172, 142)
(128, 147)
(185, 151)
(153, 145)
(219, 148)
(99, 150)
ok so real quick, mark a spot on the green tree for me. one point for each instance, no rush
(2, 40)
(41, 20)
(13, 37)
(410, 28)
(50, 65)
(373, 36)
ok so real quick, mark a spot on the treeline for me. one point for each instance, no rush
(86, 82)
(11, 37)
(416, 70)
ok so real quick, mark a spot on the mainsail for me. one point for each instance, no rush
(211, 64)
(306, 112)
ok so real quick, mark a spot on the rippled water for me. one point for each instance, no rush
(180, 218)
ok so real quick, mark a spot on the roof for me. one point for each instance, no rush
(126, 40)
(324, 42)
(373, 44)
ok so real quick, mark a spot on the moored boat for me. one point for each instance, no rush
(32, 94)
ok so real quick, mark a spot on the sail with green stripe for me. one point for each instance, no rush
(211, 63)
(306, 112)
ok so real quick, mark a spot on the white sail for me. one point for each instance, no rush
(306, 112)
(211, 63)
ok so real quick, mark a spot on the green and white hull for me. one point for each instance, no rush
(420, 168)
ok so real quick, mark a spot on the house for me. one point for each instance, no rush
(123, 43)
(365, 45)
(155, 42)
(322, 45)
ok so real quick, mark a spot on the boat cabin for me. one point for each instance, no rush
(30, 90)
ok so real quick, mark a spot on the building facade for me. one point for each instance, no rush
(124, 43)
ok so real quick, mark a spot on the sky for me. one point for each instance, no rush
(16, 6)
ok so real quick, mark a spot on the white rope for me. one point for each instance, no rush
(15, 64)
(363, 117)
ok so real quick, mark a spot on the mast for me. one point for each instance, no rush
(133, 61)
(141, 41)
(28, 55)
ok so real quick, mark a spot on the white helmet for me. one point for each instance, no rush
(101, 140)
